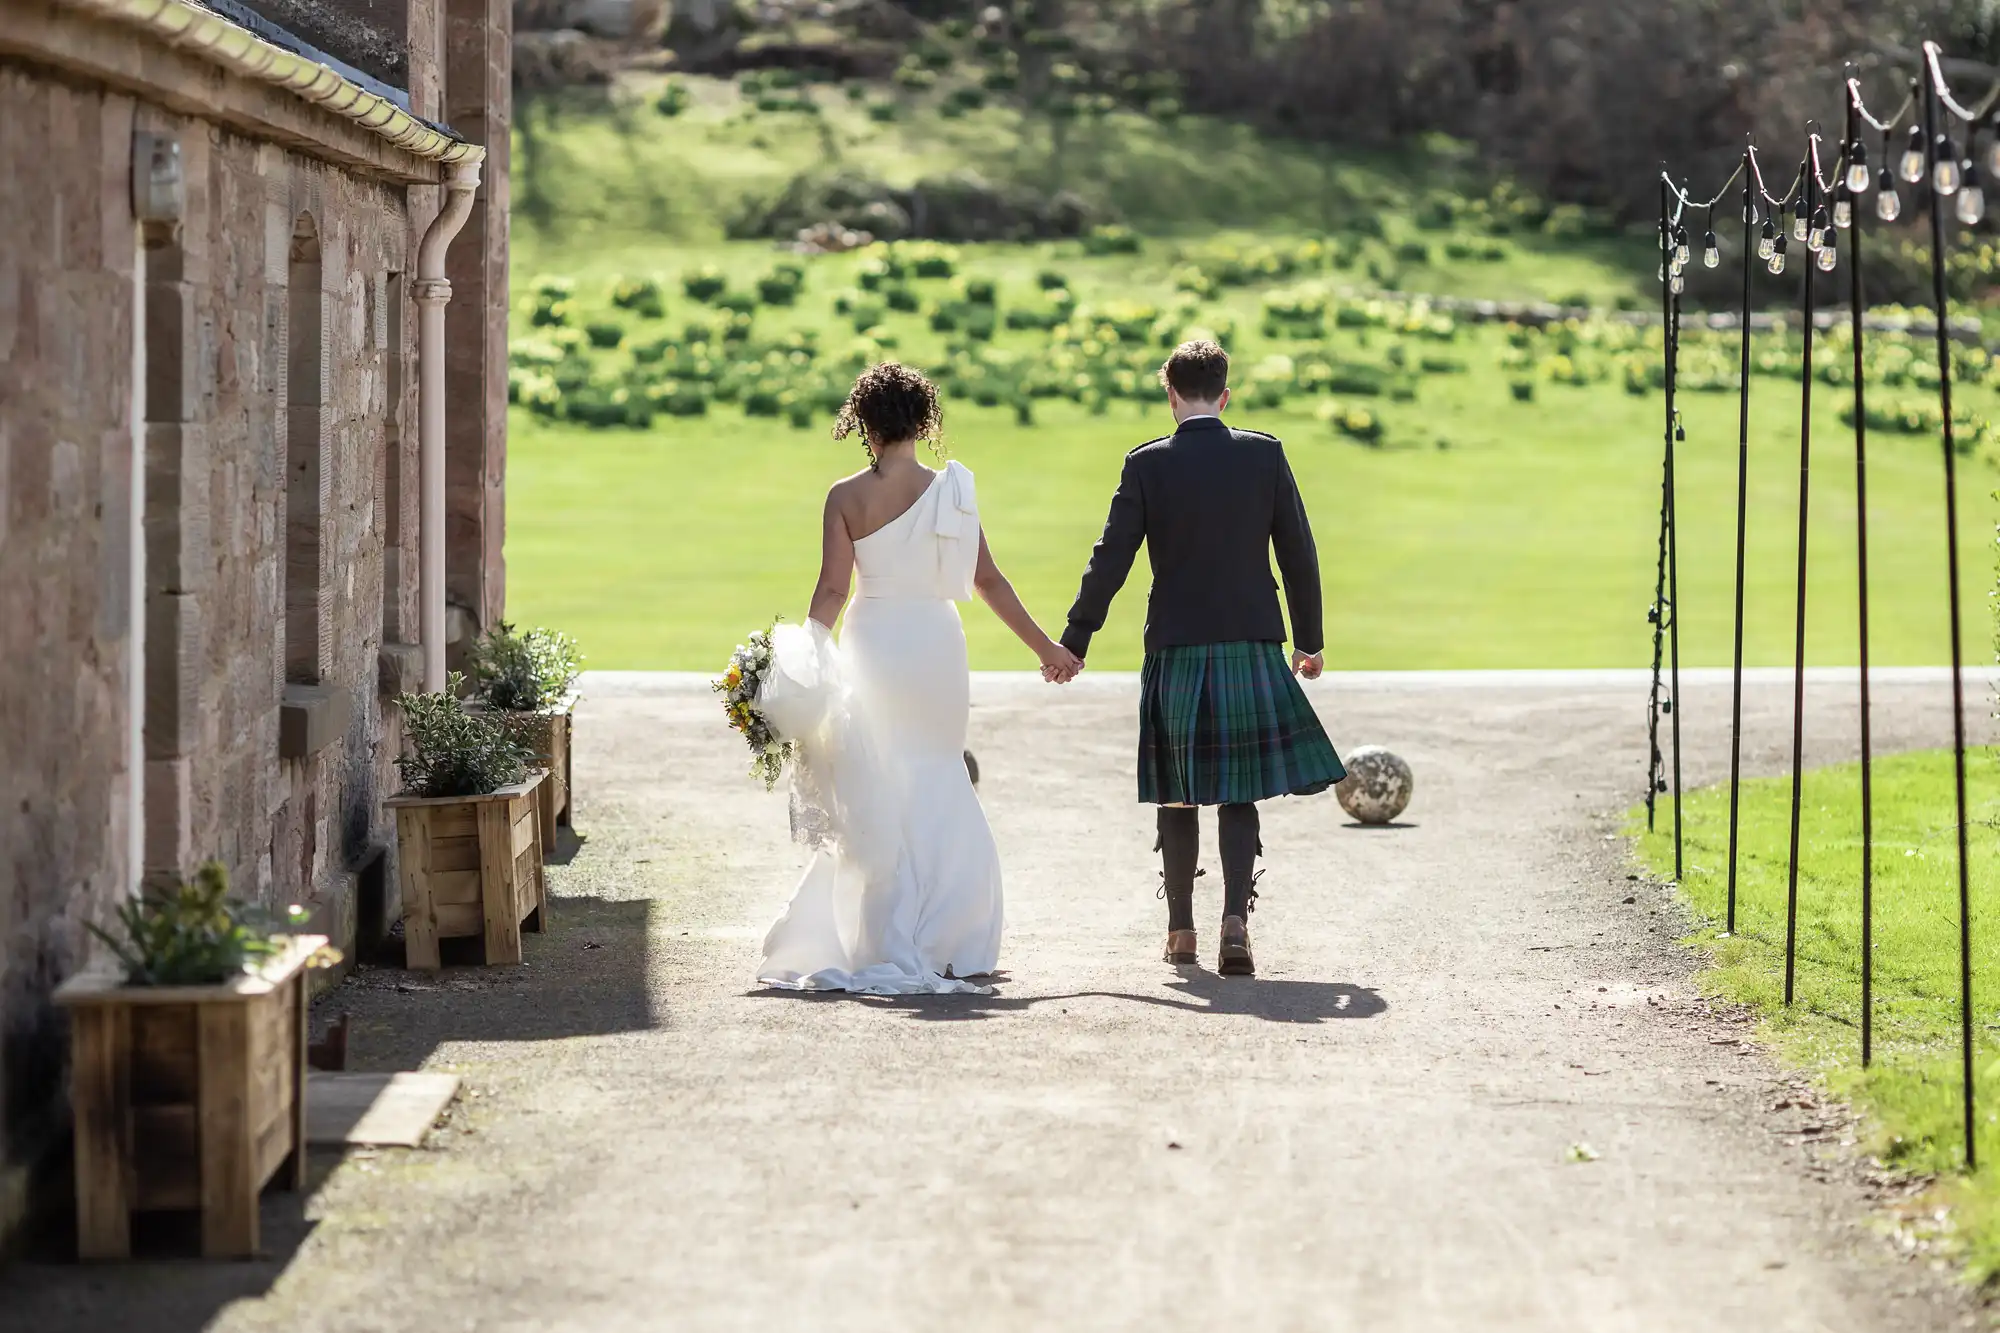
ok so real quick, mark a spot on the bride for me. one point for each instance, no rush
(903, 895)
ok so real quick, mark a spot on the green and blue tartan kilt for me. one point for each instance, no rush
(1224, 723)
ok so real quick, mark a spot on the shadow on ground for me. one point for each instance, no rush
(1196, 992)
(585, 977)
(165, 1287)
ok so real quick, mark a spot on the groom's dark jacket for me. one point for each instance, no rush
(1211, 503)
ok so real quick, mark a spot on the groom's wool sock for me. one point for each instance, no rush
(1180, 849)
(1237, 831)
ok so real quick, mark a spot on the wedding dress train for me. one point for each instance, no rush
(903, 893)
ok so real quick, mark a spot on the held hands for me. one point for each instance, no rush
(1059, 665)
(1308, 665)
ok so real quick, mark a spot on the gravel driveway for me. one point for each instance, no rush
(1374, 1134)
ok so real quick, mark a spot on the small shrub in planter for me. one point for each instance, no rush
(533, 675)
(188, 1066)
(468, 831)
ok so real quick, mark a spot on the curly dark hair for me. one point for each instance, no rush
(888, 404)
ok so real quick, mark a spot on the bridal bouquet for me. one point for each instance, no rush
(740, 686)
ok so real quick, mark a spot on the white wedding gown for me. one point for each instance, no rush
(903, 894)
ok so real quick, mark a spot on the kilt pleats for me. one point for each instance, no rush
(1224, 723)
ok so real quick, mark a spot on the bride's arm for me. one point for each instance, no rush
(994, 589)
(836, 566)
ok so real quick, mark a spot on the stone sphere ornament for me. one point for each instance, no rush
(1378, 785)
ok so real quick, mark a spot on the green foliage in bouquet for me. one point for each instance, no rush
(738, 685)
(197, 935)
(456, 753)
(523, 672)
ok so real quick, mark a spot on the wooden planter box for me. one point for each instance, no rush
(471, 866)
(187, 1097)
(549, 737)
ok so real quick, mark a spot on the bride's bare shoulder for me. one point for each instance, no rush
(850, 487)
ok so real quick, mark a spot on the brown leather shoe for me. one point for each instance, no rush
(1234, 960)
(1181, 947)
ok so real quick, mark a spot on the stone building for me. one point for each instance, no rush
(213, 478)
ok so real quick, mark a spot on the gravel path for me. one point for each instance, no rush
(1371, 1135)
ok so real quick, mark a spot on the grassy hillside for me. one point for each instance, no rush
(609, 170)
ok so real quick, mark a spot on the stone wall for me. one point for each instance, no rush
(279, 453)
(67, 255)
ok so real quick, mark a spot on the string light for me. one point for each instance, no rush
(1826, 260)
(1857, 167)
(1800, 230)
(1946, 175)
(1681, 254)
(1911, 167)
(1843, 210)
(1677, 285)
(1777, 264)
(1816, 238)
(1711, 253)
(1888, 204)
(1971, 199)
(1769, 241)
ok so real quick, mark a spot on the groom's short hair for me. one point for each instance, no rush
(1198, 371)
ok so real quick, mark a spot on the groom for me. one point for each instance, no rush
(1221, 720)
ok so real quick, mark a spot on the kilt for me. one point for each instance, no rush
(1224, 723)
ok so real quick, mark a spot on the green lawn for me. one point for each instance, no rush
(1528, 541)
(1911, 1092)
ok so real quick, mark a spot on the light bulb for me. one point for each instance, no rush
(1971, 203)
(1799, 227)
(1993, 156)
(1826, 260)
(1750, 214)
(1768, 242)
(1777, 264)
(1681, 249)
(1911, 167)
(1888, 204)
(1677, 285)
(1711, 253)
(1947, 174)
(1857, 167)
(1843, 214)
(1816, 239)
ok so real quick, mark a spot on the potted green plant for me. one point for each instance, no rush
(532, 674)
(187, 1065)
(468, 832)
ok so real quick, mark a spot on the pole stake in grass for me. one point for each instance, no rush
(1809, 182)
(1742, 531)
(1857, 308)
(1932, 96)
